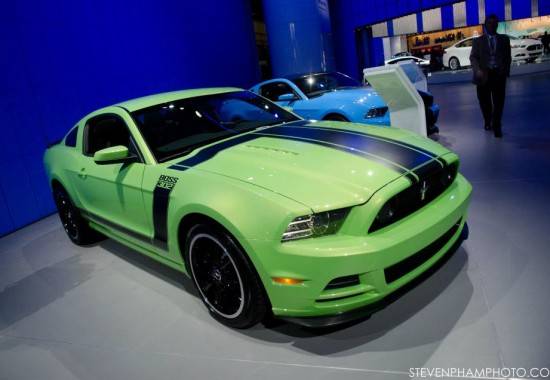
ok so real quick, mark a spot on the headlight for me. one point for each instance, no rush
(376, 112)
(314, 225)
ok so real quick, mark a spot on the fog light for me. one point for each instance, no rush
(287, 280)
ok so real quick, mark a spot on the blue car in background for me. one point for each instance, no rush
(335, 96)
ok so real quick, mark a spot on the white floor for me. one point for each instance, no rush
(105, 312)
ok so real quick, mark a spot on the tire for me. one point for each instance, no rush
(335, 117)
(225, 278)
(454, 63)
(76, 227)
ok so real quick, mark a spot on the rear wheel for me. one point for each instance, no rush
(75, 226)
(226, 280)
(454, 63)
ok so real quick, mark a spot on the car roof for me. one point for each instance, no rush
(165, 97)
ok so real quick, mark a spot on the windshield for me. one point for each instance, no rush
(176, 128)
(317, 84)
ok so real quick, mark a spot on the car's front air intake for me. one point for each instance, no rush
(534, 47)
(343, 282)
(415, 197)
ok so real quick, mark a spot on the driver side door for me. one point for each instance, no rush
(111, 193)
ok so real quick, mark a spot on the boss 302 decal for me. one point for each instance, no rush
(161, 199)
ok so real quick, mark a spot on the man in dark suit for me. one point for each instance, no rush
(491, 57)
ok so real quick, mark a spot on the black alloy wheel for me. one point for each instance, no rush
(75, 226)
(225, 278)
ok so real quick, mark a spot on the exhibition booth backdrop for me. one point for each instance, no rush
(368, 32)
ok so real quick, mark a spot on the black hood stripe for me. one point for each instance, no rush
(401, 143)
(387, 151)
(342, 148)
(402, 157)
(210, 151)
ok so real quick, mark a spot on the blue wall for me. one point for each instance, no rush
(347, 15)
(63, 59)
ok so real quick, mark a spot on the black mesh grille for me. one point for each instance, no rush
(430, 186)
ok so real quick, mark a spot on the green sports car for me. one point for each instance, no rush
(269, 214)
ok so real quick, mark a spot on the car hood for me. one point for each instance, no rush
(323, 165)
(360, 95)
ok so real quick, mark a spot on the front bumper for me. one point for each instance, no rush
(369, 256)
(369, 309)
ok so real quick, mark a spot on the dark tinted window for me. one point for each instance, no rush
(70, 140)
(467, 43)
(176, 128)
(273, 90)
(105, 131)
(317, 84)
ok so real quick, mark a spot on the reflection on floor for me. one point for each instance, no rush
(106, 312)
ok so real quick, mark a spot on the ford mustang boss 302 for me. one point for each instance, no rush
(269, 214)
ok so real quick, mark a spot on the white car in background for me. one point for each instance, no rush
(423, 63)
(458, 55)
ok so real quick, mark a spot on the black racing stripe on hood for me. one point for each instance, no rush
(397, 142)
(373, 148)
(210, 151)
(399, 155)
(341, 148)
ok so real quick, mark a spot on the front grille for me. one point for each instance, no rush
(534, 47)
(403, 267)
(415, 197)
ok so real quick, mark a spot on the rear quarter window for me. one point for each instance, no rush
(70, 140)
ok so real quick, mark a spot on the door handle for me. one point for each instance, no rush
(82, 173)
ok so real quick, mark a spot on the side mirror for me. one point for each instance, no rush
(287, 97)
(113, 155)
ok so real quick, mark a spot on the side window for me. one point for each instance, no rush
(467, 43)
(105, 131)
(70, 140)
(273, 90)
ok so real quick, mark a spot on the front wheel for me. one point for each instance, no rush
(454, 63)
(226, 280)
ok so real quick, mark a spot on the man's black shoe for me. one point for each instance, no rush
(498, 133)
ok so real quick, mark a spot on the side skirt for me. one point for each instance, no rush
(142, 247)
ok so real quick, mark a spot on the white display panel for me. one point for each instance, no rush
(401, 96)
